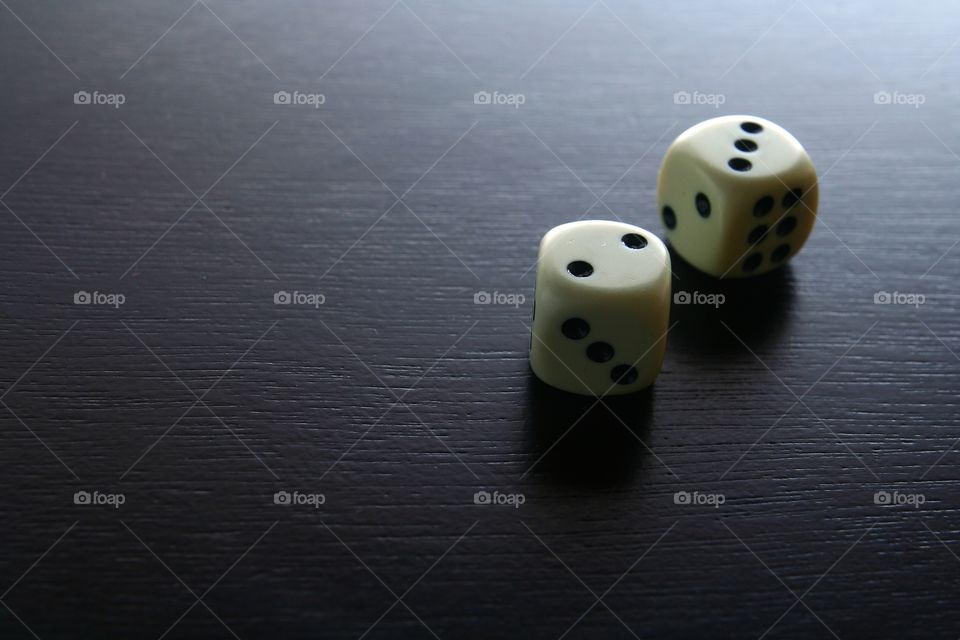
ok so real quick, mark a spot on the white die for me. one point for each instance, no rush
(601, 308)
(738, 196)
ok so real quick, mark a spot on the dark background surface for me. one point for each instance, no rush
(398, 199)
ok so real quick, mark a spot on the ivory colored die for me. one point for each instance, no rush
(601, 308)
(738, 196)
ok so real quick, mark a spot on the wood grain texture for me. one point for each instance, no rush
(399, 398)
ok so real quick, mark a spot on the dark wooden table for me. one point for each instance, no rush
(146, 440)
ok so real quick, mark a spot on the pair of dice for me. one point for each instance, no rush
(738, 197)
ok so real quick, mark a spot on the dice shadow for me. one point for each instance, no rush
(576, 440)
(757, 309)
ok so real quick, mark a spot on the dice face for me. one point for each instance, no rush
(738, 196)
(601, 308)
